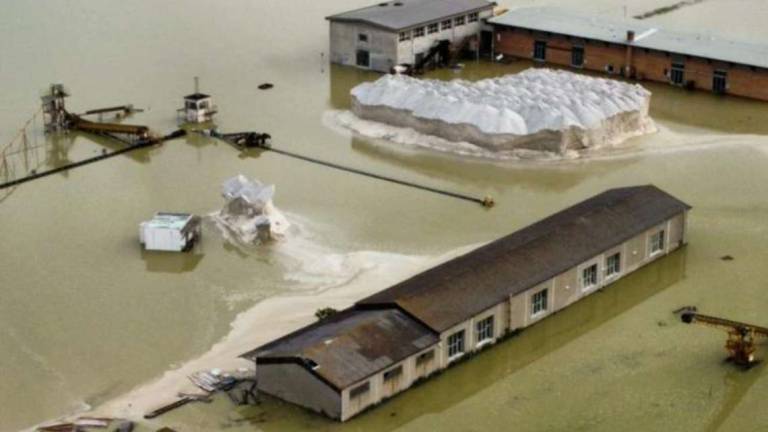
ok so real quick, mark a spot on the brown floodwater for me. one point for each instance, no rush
(85, 315)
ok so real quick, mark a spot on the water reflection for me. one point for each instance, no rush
(171, 262)
(489, 367)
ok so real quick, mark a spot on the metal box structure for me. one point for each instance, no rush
(173, 232)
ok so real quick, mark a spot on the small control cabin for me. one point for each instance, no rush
(198, 108)
(173, 232)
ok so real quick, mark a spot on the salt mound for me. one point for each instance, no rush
(249, 216)
(539, 109)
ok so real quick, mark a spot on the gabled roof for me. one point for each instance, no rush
(349, 346)
(197, 96)
(402, 14)
(470, 284)
(559, 21)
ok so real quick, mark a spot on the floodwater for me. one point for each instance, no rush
(85, 316)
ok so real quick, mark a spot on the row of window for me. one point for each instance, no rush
(484, 329)
(437, 26)
(676, 74)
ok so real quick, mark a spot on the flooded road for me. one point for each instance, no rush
(86, 316)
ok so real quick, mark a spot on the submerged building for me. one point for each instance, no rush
(633, 49)
(379, 347)
(400, 32)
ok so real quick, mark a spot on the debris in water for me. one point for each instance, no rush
(726, 258)
(249, 217)
(125, 426)
(266, 86)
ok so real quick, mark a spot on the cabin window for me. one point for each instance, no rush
(613, 265)
(360, 390)
(539, 302)
(191, 105)
(459, 20)
(447, 24)
(472, 17)
(418, 32)
(432, 28)
(720, 81)
(393, 373)
(657, 243)
(589, 277)
(577, 56)
(404, 36)
(540, 50)
(484, 329)
(456, 344)
(362, 37)
(425, 358)
(677, 74)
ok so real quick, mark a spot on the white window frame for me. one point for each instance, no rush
(473, 17)
(460, 343)
(418, 32)
(584, 286)
(446, 24)
(392, 374)
(652, 242)
(433, 28)
(405, 36)
(485, 334)
(360, 390)
(459, 21)
(608, 273)
(536, 302)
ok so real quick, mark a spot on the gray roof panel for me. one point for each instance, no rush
(402, 14)
(554, 20)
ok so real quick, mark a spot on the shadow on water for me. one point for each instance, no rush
(461, 382)
(171, 262)
(738, 383)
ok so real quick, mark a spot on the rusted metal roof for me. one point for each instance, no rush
(465, 286)
(350, 345)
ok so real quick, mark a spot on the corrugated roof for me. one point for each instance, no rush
(559, 21)
(465, 286)
(402, 14)
(352, 344)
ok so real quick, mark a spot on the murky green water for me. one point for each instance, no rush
(85, 315)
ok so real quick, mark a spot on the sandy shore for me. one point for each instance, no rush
(268, 320)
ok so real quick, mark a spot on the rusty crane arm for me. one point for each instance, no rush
(741, 336)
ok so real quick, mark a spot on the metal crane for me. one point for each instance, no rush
(741, 336)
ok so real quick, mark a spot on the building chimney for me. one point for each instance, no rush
(630, 36)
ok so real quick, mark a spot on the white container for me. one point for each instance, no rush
(174, 232)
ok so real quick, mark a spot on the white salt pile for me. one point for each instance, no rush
(538, 109)
(249, 217)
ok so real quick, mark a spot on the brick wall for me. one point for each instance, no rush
(646, 64)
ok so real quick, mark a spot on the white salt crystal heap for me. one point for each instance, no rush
(539, 109)
(249, 216)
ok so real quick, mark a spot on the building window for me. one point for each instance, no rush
(484, 329)
(577, 56)
(472, 17)
(393, 373)
(404, 36)
(425, 358)
(360, 390)
(418, 32)
(433, 28)
(720, 81)
(362, 37)
(363, 58)
(589, 277)
(657, 242)
(677, 74)
(540, 50)
(456, 344)
(446, 24)
(613, 265)
(459, 21)
(539, 302)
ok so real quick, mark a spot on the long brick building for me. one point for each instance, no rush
(633, 49)
(382, 345)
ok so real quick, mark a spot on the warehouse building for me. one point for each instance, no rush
(383, 344)
(406, 32)
(633, 49)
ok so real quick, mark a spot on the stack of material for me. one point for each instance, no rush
(248, 216)
(538, 109)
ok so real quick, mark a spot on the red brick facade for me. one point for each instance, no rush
(643, 64)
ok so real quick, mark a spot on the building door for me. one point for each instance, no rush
(677, 74)
(577, 56)
(540, 50)
(363, 58)
(720, 82)
(486, 43)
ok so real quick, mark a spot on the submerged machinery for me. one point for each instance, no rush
(741, 336)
